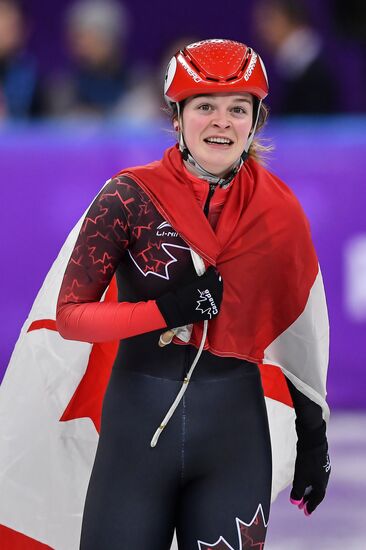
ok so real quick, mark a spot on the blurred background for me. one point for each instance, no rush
(81, 98)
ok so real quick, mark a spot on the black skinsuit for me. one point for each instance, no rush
(211, 465)
(210, 474)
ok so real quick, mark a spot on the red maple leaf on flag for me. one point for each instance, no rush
(88, 397)
(87, 400)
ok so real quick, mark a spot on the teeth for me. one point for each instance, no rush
(218, 140)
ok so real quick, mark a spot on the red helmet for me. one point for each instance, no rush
(213, 66)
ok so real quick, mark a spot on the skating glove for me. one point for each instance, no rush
(199, 300)
(312, 468)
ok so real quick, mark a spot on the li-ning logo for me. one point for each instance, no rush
(190, 71)
(327, 465)
(250, 69)
(205, 296)
(160, 233)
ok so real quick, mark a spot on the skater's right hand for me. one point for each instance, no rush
(199, 300)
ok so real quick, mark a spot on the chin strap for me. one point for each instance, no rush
(202, 172)
(252, 133)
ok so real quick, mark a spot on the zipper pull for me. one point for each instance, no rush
(211, 190)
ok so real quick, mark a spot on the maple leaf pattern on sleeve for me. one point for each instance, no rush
(123, 234)
(103, 239)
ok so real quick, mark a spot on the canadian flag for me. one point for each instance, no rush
(50, 407)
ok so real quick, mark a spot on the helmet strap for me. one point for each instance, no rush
(252, 133)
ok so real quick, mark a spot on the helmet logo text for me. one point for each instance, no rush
(250, 69)
(190, 71)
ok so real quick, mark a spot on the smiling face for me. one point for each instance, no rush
(216, 128)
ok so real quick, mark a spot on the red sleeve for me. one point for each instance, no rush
(101, 322)
(100, 246)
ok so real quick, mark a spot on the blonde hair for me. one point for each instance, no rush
(259, 148)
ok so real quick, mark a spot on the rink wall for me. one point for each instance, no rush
(50, 172)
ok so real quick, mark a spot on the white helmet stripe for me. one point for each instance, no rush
(169, 75)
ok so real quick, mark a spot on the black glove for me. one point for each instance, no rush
(312, 468)
(199, 300)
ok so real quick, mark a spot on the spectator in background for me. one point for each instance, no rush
(19, 90)
(350, 18)
(96, 31)
(305, 83)
(144, 102)
(350, 24)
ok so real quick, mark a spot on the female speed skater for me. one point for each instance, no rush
(216, 276)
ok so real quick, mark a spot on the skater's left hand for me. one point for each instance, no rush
(312, 469)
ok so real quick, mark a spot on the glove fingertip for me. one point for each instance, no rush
(295, 501)
(306, 512)
(297, 492)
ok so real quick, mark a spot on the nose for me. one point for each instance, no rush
(221, 119)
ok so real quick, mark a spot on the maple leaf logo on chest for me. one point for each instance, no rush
(157, 255)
